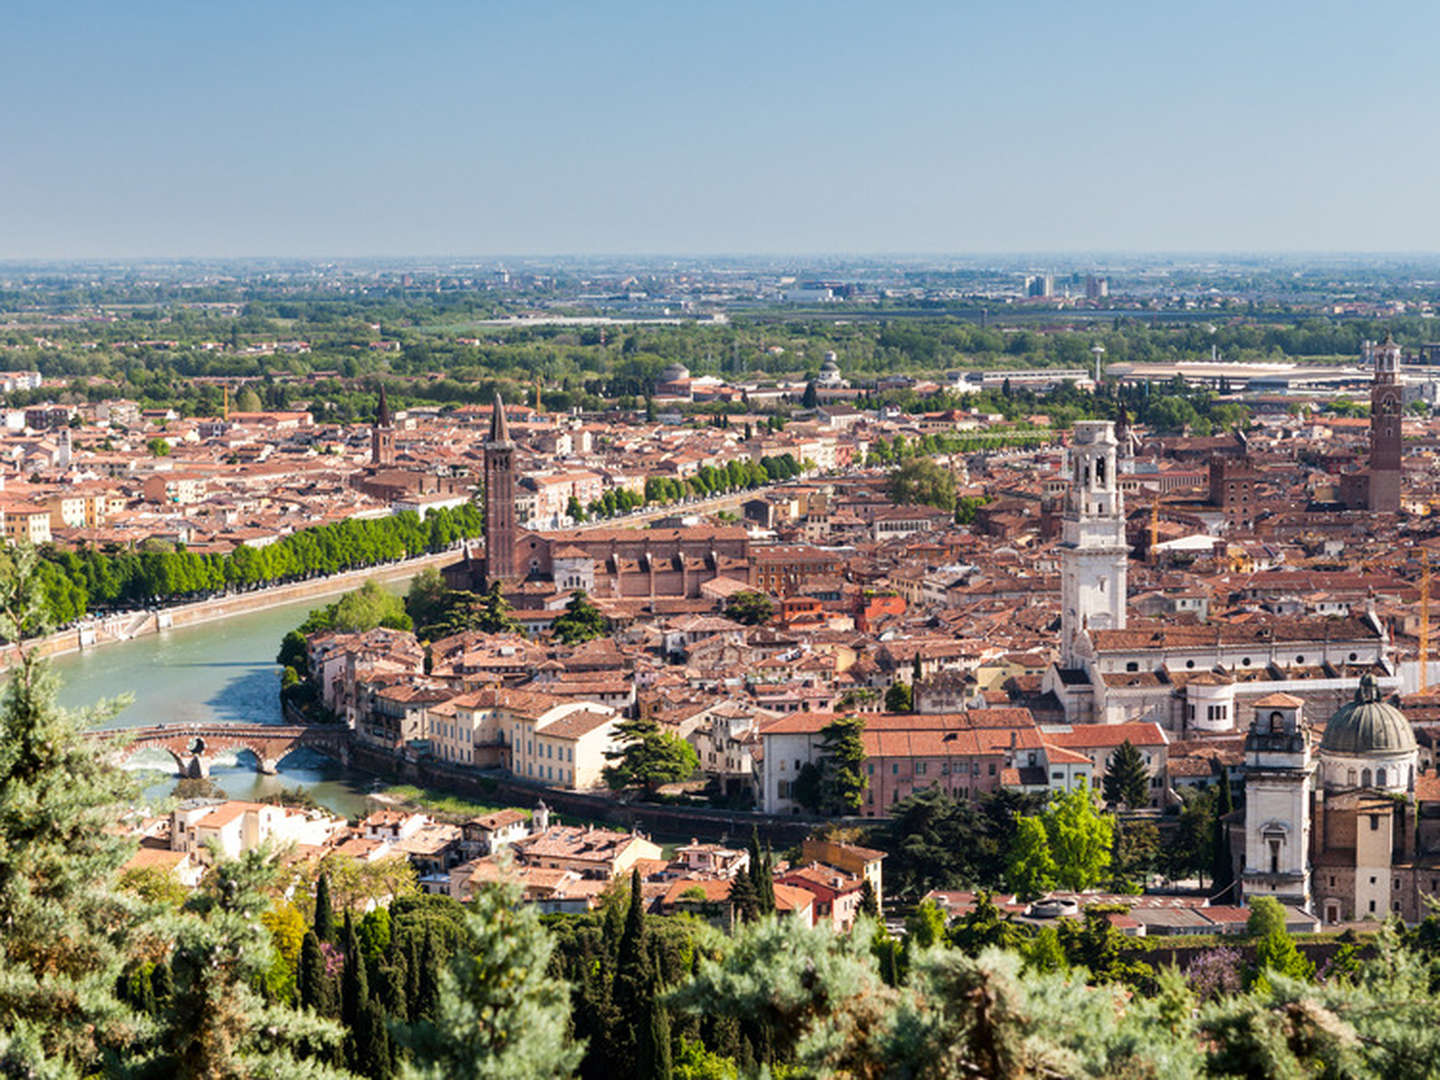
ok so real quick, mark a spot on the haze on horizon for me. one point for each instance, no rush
(366, 129)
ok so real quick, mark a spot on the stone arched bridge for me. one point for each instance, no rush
(195, 746)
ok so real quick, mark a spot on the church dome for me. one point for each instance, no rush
(1368, 725)
(674, 373)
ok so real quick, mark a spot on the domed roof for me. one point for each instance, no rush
(1368, 725)
(674, 373)
(829, 364)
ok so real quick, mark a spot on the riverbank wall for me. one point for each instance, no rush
(139, 624)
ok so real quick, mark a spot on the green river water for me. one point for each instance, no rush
(222, 671)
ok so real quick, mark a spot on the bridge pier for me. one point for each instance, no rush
(196, 767)
(268, 766)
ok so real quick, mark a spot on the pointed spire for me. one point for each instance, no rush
(499, 429)
(382, 414)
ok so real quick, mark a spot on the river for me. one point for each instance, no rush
(221, 672)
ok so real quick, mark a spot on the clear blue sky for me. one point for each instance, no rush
(317, 128)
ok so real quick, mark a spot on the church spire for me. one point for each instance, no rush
(382, 413)
(499, 429)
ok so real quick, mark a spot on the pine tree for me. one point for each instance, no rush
(1127, 779)
(65, 929)
(324, 913)
(217, 1026)
(501, 1015)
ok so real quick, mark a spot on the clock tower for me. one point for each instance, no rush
(1386, 412)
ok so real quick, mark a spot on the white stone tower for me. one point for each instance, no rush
(1093, 549)
(1279, 779)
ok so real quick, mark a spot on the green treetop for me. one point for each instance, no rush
(646, 756)
(500, 1015)
(580, 622)
(1127, 778)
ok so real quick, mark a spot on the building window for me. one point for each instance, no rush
(1132, 666)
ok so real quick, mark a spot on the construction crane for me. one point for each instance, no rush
(1154, 526)
(225, 413)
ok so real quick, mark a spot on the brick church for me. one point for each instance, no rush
(614, 563)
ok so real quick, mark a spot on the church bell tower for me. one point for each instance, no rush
(1386, 411)
(1093, 550)
(500, 499)
(382, 435)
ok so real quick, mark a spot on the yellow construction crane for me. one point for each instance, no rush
(539, 404)
(225, 413)
(1424, 620)
(1154, 527)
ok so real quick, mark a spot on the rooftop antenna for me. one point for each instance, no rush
(1099, 351)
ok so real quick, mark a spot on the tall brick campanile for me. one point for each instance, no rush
(1386, 412)
(382, 434)
(499, 500)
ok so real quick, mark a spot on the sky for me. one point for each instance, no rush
(319, 129)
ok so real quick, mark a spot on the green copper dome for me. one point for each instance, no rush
(1368, 725)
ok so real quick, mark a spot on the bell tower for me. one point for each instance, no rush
(1093, 549)
(382, 435)
(1279, 781)
(499, 499)
(1386, 411)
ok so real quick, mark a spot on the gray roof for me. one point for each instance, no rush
(1368, 725)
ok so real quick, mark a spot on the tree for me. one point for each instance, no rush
(645, 756)
(324, 921)
(1080, 839)
(750, 607)
(926, 924)
(217, 1025)
(500, 1014)
(1031, 872)
(312, 985)
(1267, 917)
(809, 399)
(1127, 779)
(920, 480)
(581, 621)
(67, 930)
(1136, 850)
(899, 698)
(835, 784)
(1222, 873)
(158, 447)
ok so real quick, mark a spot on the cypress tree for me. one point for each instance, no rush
(765, 886)
(427, 995)
(372, 1053)
(354, 989)
(310, 978)
(653, 1038)
(324, 913)
(161, 985)
(632, 975)
(1222, 871)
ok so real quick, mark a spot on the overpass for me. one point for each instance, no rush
(195, 746)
